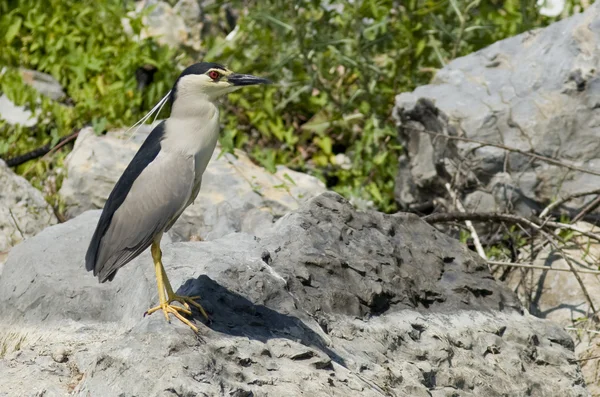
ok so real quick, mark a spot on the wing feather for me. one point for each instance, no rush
(145, 155)
(155, 200)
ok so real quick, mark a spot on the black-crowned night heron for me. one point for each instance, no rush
(163, 178)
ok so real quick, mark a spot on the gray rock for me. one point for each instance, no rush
(236, 194)
(332, 301)
(44, 84)
(173, 26)
(23, 210)
(14, 114)
(59, 354)
(557, 296)
(189, 10)
(537, 91)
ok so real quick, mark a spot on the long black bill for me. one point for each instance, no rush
(246, 79)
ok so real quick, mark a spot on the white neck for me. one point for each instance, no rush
(193, 126)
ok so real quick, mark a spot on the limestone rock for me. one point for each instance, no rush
(538, 91)
(557, 296)
(173, 26)
(236, 195)
(14, 114)
(23, 210)
(330, 302)
(44, 84)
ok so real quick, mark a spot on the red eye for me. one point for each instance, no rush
(213, 75)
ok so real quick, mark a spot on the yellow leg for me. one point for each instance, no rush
(166, 298)
(184, 300)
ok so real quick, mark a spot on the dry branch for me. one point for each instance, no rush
(530, 266)
(39, 152)
(533, 222)
(531, 154)
(468, 223)
(575, 273)
(587, 209)
(570, 197)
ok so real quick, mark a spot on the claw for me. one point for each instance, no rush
(184, 300)
(166, 294)
(167, 308)
(174, 310)
(172, 307)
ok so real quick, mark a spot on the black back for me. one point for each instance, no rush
(145, 155)
(197, 68)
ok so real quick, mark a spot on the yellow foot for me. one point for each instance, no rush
(167, 308)
(175, 310)
(187, 301)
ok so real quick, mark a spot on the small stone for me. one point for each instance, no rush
(59, 354)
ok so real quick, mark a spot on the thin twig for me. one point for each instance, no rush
(586, 359)
(577, 277)
(570, 197)
(573, 228)
(62, 143)
(468, 222)
(587, 209)
(39, 152)
(16, 223)
(533, 222)
(442, 217)
(529, 266)
(511, 149)
(591, 331)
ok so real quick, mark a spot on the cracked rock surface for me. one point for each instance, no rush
(328, 302)
(538, 91)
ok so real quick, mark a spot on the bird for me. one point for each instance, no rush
(162, 179)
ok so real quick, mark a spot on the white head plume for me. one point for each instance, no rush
(156, 109)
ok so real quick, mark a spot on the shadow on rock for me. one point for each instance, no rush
(232, 314)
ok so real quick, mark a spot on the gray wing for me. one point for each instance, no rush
(194, 194)
(156, 199)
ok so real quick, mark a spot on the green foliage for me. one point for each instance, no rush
(512, 241)
(82, 44)
(337, 67)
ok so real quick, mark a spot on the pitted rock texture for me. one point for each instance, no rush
(538, 92)
(329, 302)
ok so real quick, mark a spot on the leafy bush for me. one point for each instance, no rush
(81, 44)
(338, 65)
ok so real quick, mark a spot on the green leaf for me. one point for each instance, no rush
(289, 179)
(13, 29)
(325, 144)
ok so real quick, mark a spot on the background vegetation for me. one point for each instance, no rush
(338, 65)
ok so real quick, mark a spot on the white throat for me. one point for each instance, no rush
(193, 127)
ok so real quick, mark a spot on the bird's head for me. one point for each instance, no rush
(210, 81)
